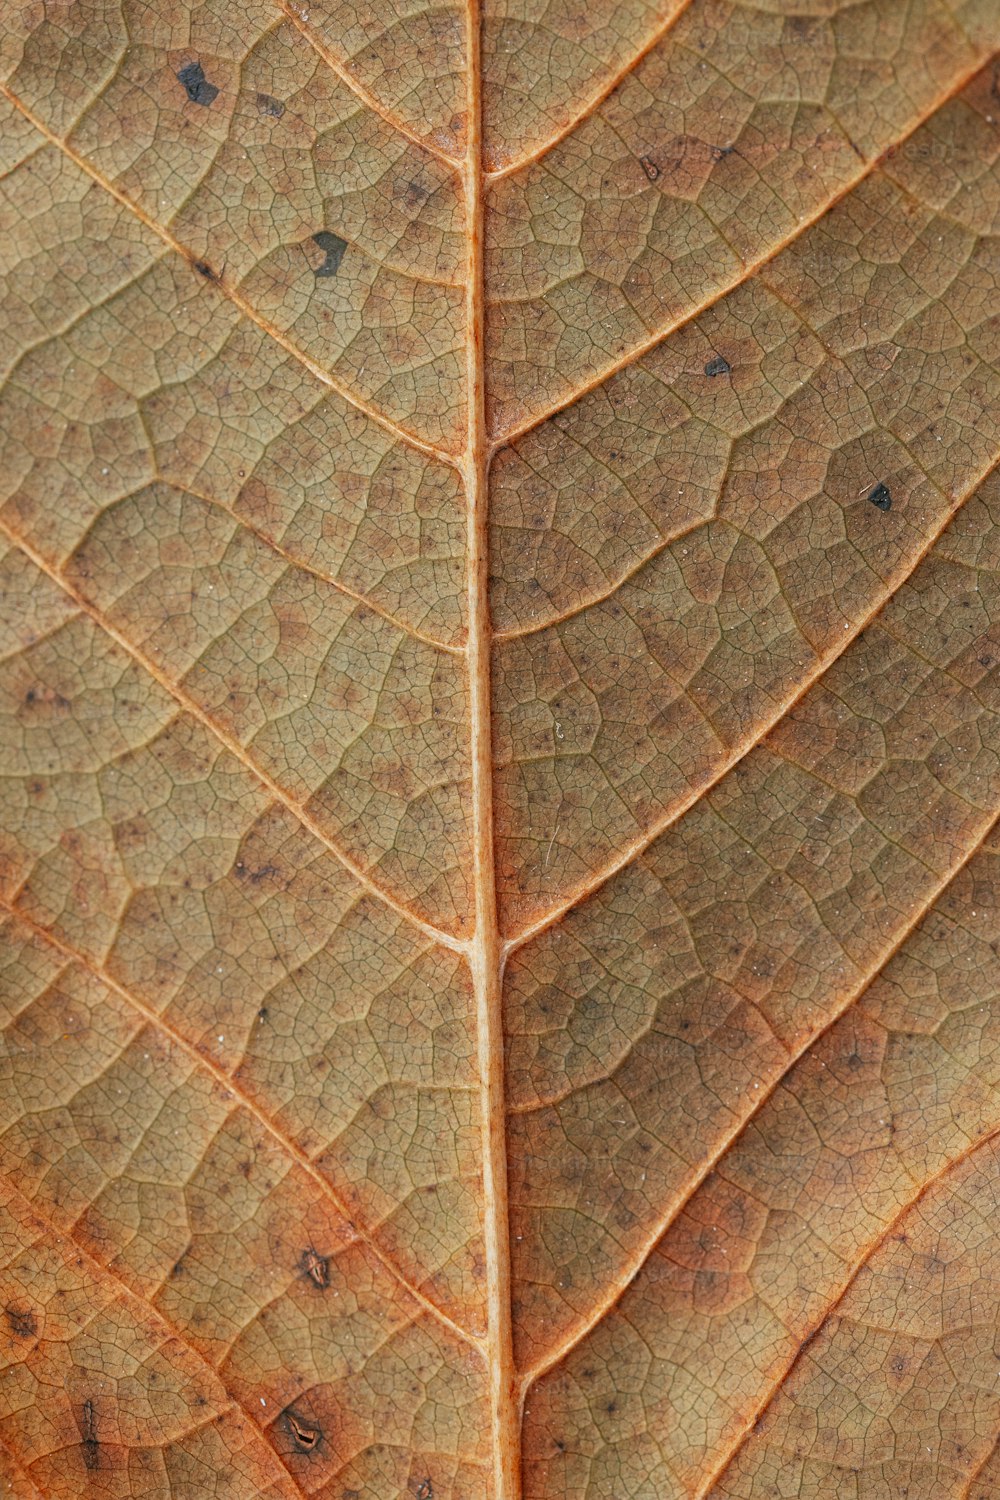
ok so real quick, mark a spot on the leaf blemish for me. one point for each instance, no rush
(880, 497)
(24, 1325)
(88, 1432)
(196, 85)
(316, 1267)
(268, 105)
(305, 1438)
(333, 248)
(717, 365)
(650, 168)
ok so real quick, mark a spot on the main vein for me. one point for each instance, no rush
(485, 957)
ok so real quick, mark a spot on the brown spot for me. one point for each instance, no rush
(650, 168)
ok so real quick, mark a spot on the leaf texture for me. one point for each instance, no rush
(500, 646)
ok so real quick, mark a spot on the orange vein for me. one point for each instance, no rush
(22, 1473)
(803, 1342)
(639, 845)
(228, 1083)
(191, 706)
(536, 627)
(32, 1216)
(365, 600)
(979, 1470)
(645, 346)
(616, 1291)
(485, 957)
(358, 89)
(402, 434)
(596, 99)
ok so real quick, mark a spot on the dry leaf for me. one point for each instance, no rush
(501, 654)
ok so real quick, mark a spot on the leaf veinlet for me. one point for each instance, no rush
(485, 953)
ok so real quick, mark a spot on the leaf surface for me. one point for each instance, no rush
(500, 640)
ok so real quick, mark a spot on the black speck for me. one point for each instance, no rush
(881, 498)
(268, 105)
(717, 366)
(333, 247)
(199, 90)
(204, 269)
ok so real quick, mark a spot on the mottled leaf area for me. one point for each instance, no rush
(500, 761)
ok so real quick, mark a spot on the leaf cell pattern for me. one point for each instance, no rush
(500, 642)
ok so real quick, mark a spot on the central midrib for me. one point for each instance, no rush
(485, 953)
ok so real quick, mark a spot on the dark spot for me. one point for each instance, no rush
(23, 1325)
(650, 168)
(204, 269)
(717, 366)
(46, 695)
(305, 1437)
(719, 152)
(244, 872)
(268, 105)
(880, 497)
(88, 1432)
(333, 247)
(316, 1267)
(198, 88)
(263, 1013)
(425, 1490)
(415, 193)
